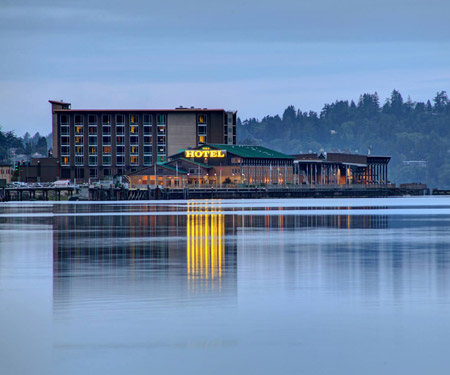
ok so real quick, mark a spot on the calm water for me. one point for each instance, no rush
(350, 286)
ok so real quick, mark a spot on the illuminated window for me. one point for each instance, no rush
(161, 130)
(201, 119)
(92, 150)
(79, 140)
(202, 139)
(134, 159)
(134, 149)
(79, 130)
(65, 160)
(92, 130)
(79, 150)
(161, 149)
(133, 119)
(161, 158)
(161, 140)
(120, 140)
(106, 149)
(134, 130)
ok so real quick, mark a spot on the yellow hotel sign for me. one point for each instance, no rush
(205, 153)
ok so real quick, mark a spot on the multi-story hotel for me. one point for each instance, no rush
(97, 143)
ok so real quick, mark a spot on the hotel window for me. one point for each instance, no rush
(161, 140)
(134, 119)
(92, 119)
(107, 172)
(134, 140)
(93, 160)
(92, 150)
(147, 140)
(65, 160)
(106, 130)
(202, 119)
(120, 130)
(202, 130)
(79, 160)
(134, 130)
(64, 120)
(147, 119)
(120, 120)
(79, 129)
(160, 119)
(92, 173)
(106, 149)
(79, 140)
(92, 130)
(64, 140)
(106, 119)
(147, 130)
(120, 140)
(106, 140)
(64, 130)
(93, 140)
(161, 130)
(79, 150)
(120, 160)
(161, 158)
(134, 159)
(148, 149)
(134, 149)
(162, 150)
(148, 160)
(202, 139)
(106, 160)
(120, 150)
(65, 150)
(78, 120)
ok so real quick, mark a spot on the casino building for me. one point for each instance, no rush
(218, 164)
(98, 143)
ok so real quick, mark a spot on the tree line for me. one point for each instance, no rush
(11, 144)
(415, 134)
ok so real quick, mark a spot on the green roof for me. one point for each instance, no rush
(251, 151)
(192, 161)
(173, 168)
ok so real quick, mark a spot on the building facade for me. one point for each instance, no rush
(98, 143)
(6, 172)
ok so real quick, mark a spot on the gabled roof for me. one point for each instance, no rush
(251, 151)
(151, 170)
(192, 162)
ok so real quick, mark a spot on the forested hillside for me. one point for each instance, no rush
(406, 130)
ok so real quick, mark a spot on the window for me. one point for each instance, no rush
(120, 150)
(147, 149)
(64, 120)
(161, 149)
(202, 130)
(92, 160)
(93, 173)
(64, 130)
(78, 120)
(106, 140)
(106, 149)
(147, 140)
(202, 139)
(148, 159)
(93, 140)
(106, 160)
(161, 119)
(134, 159)
(120, 130)
(65, 150)
(161, 140)
(120, 159)
(134, 119)
(134, 149)
(92, 150)
(147, 130)
(161, 130)
(134, 140)
(107, 172)
(92, 119)
(64, 140)
(79, 160)
(106, 119)
(65, 160)
(79, 150)
(79, 140)
(120, 140)
(161, 158)
(79, 130)
(134, 130)
(147, 119)
(106, 130)
(202, 119)
(120, 119)
(92, 130)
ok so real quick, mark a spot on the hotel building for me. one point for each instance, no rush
(98, 143)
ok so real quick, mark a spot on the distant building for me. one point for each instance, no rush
(6, 172)
(98, 143)
(341, 169)
(39, 170)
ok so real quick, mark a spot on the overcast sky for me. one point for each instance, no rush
(254, 56)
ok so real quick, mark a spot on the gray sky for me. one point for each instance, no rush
(256, 57)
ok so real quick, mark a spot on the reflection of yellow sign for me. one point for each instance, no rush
(205, 244)
(205, 153)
